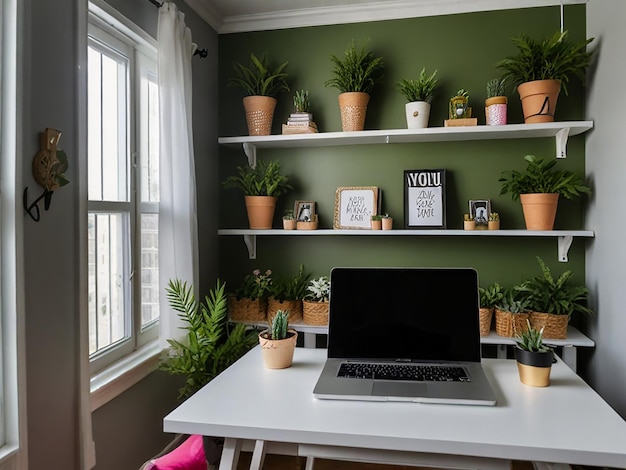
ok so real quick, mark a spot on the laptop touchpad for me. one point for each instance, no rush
(400, 389)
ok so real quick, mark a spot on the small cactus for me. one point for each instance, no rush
(280, 322)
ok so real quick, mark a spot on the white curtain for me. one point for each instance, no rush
(178, 234)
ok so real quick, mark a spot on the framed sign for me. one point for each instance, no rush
(354, 205)
(425, 198)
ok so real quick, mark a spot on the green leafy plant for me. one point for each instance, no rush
(376, 217)
(358, 70)
(541, 177)
(257, 79)
(532, 340)
(210, 345)
(512, 302)
(552, 58)
(496, 87)
(556, 295)
(301, 103)
(279, 326)
(318, 289)
(255, 286)
(263, 180)
(421, 89)
(293, 288)
(491, 295)
(494, 217)
(288, 214)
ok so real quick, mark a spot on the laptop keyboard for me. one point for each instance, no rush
(414, 372)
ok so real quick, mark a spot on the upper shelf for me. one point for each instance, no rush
(559, 130)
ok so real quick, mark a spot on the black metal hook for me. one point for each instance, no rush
(33, 209)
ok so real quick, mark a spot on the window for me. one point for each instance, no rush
(123, 194)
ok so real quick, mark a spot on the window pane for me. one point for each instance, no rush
(108, 236)
(149, 268)
(150, 156)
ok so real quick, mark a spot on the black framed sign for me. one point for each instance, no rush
(425, 198)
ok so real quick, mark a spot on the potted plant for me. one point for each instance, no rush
(496, 102)
(261, 186)
(493, 223)
(354, 76)
(210, 345)
(315, 302)
(248, 303)
(376, 222)
(489, 297)
(469, 223)
(534, 359)
(541, 69)
(287, 294)
(419, 95)
(387, 222)
(301, 103)
(289, 221)
(538, 188)
(261, 84)
(512, 313)
(278, 342)
(553, 300)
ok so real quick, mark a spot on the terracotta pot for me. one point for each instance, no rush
(534, 367)
(469, 225)
(493, 225)
(259, 114)
(539, 210)
(376, 224)
(289, 224)
(554, 326)
(495, 111)
(278, 354)
(417, 114)
(387, 223)
(539, 100)
(260, 211)
(353, 107)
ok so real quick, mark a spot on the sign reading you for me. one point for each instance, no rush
(425, 198)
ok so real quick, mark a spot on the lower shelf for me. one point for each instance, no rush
(564, 237)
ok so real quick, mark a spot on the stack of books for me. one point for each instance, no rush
(300, 123)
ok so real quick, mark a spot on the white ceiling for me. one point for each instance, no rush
(234, 16)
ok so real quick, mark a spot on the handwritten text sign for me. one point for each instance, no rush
(354, 206)
(425, 198)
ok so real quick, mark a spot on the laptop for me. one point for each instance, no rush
(404, 334)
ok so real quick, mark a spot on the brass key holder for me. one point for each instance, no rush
(49, 166)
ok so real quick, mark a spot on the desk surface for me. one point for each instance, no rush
(566, 422)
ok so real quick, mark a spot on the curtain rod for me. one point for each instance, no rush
(203, 53)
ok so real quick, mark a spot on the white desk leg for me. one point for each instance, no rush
(309, 340)
(230, 454)
(569, 357)
(258, 456)
(310, 462)
(501, 351)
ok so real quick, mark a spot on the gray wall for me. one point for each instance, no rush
(606, 164)
(127, 430)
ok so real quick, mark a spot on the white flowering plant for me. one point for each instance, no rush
(318, 289)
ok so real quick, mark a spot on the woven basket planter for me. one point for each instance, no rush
(554, 326)
(293, 306)
(485, 316)
(511, 324)
(315, 313)
(247, 310)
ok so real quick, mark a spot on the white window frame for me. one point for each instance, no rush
(113, 375)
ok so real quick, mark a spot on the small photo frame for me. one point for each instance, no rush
(354, 205)
(425, 199)
(304, 211)
(479, 210)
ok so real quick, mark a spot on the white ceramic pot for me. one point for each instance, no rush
(417, 113)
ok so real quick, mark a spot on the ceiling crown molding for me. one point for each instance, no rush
(207, 11)
(358, 13)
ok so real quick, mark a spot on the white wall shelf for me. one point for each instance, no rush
(560, 131)
(564, 237)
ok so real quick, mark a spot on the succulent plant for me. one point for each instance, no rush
(532, 340)
(280, 322)
(494, 216)
(510, 302)
(301, 103)
(319, 289)
(496, 87)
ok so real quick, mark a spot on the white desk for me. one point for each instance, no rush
(566, 422)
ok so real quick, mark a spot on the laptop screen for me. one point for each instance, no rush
(404, 313)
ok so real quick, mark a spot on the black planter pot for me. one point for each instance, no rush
(535, 359)
(534, 367)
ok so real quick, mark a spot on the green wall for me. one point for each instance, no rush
(464, 50)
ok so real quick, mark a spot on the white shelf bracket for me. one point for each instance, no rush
(250, 151)
(561, 142)
(564, 244)
(250, 241)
